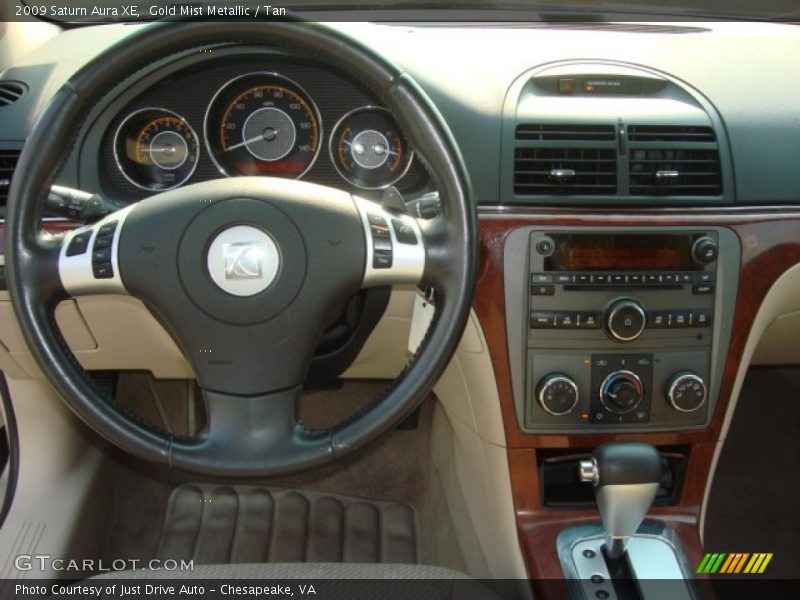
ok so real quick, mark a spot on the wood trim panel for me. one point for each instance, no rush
(770, 244)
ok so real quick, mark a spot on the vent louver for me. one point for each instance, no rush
(543, 133)
(8, 162)
(668, 133)
(571, 159)
(674, 161)
(11, 91)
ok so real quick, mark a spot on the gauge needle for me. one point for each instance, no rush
(168, 149)
(272, 133)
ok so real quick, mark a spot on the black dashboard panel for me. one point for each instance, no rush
(187, 90)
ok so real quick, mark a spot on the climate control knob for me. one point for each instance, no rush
(625, 320)
(621, 392)
(557, 393)
(686, 391)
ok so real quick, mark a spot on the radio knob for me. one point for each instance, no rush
(686, 391)
(557, 393)
(621, 392)
(625, 320)
(705, 251)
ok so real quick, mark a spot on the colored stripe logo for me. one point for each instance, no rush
(734, 563)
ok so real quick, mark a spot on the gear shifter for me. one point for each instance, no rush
(625, 476)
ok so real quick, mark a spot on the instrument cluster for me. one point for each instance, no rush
(259, 123)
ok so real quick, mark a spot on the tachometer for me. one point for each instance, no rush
(368, 149)
(156, 149)
(263, 124)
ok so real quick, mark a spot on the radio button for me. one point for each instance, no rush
(636, 278)
(702, 318)
(566, 320)
(541, 278)
(618, 279)
(583, 278)
(589, 320)
(705, 277)
(652, 279)
(670, 278)
(626, 320)
(564, 278)
(658, 319)
(702, 289)
(601, 278)
(685, 278)
(543, 290)
(542, 319)
(680, 319)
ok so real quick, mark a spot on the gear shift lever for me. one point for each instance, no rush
(625, 476)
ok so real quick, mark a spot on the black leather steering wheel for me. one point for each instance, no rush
(300, 249)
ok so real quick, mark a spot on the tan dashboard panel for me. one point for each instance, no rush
(778, 344)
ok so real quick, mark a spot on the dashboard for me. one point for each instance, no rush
(636, 187)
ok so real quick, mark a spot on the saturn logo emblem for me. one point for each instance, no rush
(243, 260)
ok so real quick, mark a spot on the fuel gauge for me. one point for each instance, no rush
(368, 149)
(156, 149)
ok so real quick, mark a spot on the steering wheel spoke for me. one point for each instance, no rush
(245, 432)
(88, 259)
(395, 245)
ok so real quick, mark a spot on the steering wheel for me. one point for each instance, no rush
(242, 272)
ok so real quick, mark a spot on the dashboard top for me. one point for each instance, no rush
(744, 72)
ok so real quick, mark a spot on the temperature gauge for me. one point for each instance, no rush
(368, 149)
(156, 149)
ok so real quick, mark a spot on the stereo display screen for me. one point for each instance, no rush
(621, 252)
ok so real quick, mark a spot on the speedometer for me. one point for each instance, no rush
(263, 124)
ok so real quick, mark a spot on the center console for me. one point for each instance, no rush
(618, 329)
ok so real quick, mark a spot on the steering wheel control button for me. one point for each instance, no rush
(243, 260)
(107, 229)
(557, 394)
(686, 391)
(79, 243)
(382, 257)
(404, 232)
(625, 320)
(103, 271)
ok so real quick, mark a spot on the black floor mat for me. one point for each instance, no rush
(753, 505)
(221, 524)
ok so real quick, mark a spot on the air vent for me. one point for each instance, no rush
(668, 133)
(675, 172)
(11, 91)
(8, 162)
(544, 133)
(576, 171)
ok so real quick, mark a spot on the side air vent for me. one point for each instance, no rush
(674, 161)
(649, 133)
(544, 133)
(571, 159)
(8, 162)
(11, 91)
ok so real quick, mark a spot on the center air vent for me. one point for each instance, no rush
(565, 159)
(544, 133)
(8, 162)
(669, 133)
(674, 161)
(11, 91)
